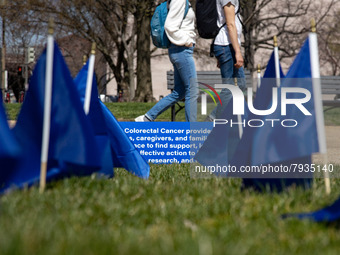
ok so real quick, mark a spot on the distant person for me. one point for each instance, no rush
(227, 50)
(181, 33)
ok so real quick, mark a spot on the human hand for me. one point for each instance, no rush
(239, 60)
(218, 64)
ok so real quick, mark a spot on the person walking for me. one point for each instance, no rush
(227, 51)
(181, 33)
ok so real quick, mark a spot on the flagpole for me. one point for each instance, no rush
(239, 118)
(277, 63)
(47, 106)
(84, 59)
(320, 125)
(89, 80)
(258, 76)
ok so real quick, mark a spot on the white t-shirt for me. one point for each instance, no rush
(180, 32)
(223, 37)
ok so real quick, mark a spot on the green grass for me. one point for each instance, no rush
(122, 111)
(332, 116)
(12, 111)
(129, 111)
(170, 213)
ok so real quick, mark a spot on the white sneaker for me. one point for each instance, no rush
(142, 118)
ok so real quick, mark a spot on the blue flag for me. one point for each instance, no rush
(270, 69)
(9, 147)
(73, 148)
(246, 152)
(10, 151)
(262, 101)
(219, 148)
(328, 214)
(224, 140)
(96, 118)
(124, 153)
(117, 147)
(300, 139)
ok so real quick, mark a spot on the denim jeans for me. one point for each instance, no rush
(185, 79)
(226, 59)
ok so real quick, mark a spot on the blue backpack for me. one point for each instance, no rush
(158, 35)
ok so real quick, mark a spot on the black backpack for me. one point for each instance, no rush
(206, 19)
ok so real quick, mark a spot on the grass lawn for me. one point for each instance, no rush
(129, 111)
(170, 213)
(332, 117)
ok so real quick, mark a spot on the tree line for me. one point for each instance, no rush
(121, 31)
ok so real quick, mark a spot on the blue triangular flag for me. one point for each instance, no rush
(270, 69)
(282, 143)
(328, 214)
(10, 151)
(9, 147)
(73, 149)
(96, 118)
(219, 148)
(262, 101)
(124, 153)
(247, 149)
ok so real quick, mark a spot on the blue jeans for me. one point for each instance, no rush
(226, 59)
(185, 79)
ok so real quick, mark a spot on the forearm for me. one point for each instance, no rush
(229, 11)
(232, 31)
(230, 17)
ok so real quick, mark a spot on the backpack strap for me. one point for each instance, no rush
(187, 6)
(213, 41)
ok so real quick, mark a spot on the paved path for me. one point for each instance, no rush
(333, 146)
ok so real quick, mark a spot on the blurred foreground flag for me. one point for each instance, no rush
(73, 148)
(9, 148)
(96, 118)
(124, 153)
(246, 153)
(109, 133)
(262, 101)
(271, 68)
(223, 145)
(299, 131)
(219, 148)
(328, 214)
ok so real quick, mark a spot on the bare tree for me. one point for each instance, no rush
(143, 12)
(263, 19)
(17, 36)
(288, 20)
(329, 43)
(121, 31)
(116, 26)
